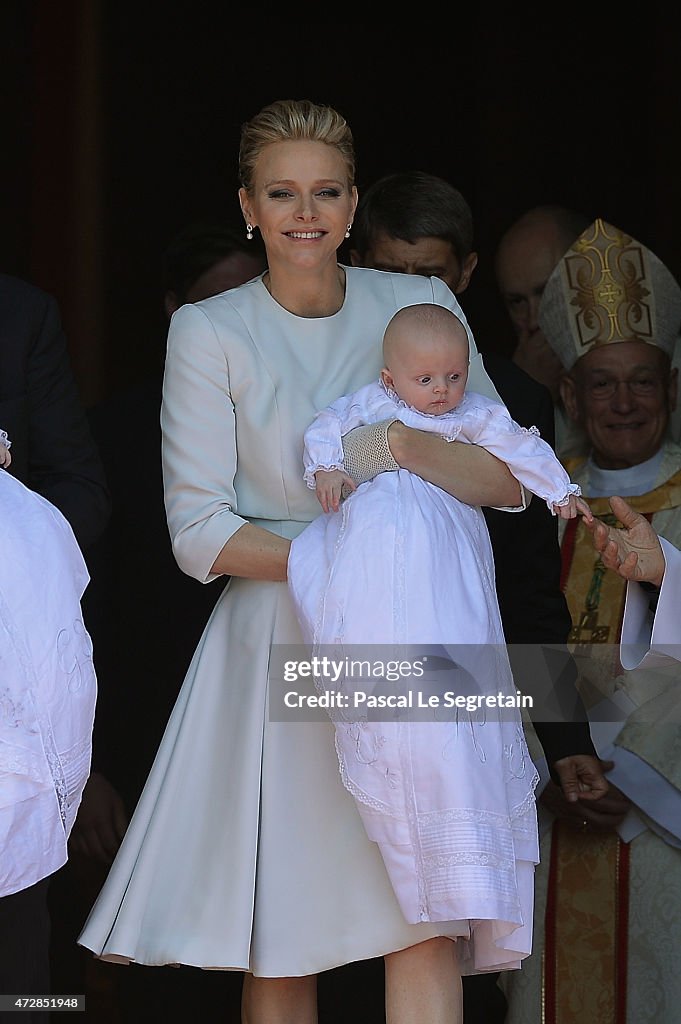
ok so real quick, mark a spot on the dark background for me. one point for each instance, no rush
(121, 124)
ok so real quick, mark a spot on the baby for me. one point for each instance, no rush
(403, 564)
(425, 349)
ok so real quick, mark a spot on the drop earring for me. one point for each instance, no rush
(249, 232)
(347, 231)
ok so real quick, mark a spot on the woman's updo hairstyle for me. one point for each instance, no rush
(293, 120)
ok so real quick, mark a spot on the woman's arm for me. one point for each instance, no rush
(253, 553)
(209, 537)
(465, 471)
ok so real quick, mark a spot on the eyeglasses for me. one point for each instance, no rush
(644, 386)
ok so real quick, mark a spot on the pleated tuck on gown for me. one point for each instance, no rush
(245, 850)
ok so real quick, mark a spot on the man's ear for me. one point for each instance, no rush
(469, 265)
(568, 393)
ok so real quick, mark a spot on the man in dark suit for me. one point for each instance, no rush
(53, 453)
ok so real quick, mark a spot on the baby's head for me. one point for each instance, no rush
(425, 354)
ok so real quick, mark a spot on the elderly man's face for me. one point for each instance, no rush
(622, 396)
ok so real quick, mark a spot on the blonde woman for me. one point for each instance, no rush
(245, 851)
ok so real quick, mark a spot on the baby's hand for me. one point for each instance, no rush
(574, 506)
(329, 484)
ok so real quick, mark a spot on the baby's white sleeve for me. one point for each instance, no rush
(322, 447)
(531, 460)
(322, 442)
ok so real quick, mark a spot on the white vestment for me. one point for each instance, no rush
(650, 639)
(637, 725)
(47, 686)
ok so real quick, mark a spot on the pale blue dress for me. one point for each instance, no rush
(246, 851)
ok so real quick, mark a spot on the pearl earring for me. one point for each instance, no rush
(347, 231)
(249, 232)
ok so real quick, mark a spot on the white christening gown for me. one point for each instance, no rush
(404, 570)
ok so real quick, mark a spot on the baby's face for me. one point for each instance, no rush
(430, 374)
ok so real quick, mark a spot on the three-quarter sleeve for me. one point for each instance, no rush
(199, 449)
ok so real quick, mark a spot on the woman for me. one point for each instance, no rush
(245, 851)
